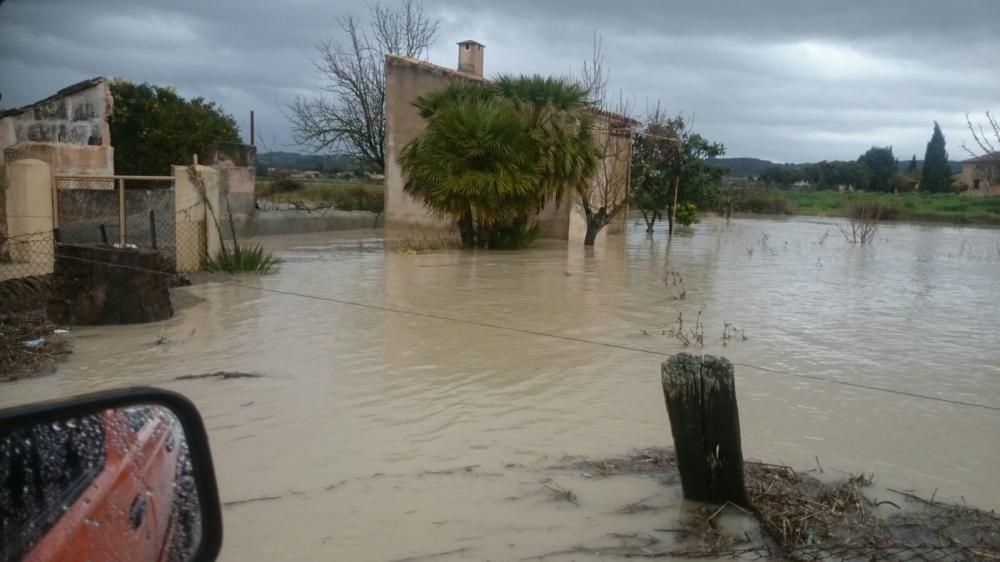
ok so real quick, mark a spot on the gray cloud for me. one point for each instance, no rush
(789, 80)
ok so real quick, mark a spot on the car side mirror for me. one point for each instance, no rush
(119, 475)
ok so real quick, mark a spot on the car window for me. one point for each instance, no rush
(43, 470)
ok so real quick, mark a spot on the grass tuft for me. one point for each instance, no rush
(244, 259)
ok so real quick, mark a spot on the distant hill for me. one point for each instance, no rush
(741, 167)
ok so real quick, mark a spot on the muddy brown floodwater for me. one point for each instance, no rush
(413, 405)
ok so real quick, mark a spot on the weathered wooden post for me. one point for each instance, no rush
(700, 393)
(152, 227)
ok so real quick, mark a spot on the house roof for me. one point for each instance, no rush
(400, 60)
(68, 90)
(988, 157)
(471, 42)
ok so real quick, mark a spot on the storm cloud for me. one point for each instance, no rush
(787, 80)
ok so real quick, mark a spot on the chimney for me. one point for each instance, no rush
(470, 57)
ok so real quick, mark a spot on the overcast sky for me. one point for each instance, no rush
(786, 80)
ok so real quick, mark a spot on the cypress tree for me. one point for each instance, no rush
(936, 174)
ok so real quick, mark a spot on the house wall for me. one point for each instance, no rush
(405, 80)
(68, 130)
(989, 183)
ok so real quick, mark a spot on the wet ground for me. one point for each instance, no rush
(419, 404)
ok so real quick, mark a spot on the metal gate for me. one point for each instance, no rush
(120, 211)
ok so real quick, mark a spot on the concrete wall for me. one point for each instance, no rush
(72, 127)
(28, 202)
(196, 234)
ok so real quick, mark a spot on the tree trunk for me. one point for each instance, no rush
(670, 222)
(593, 229)
(467, 229)
(650, 220)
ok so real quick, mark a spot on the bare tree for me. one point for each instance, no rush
(987, 146)
(349, 114)
(607, 195)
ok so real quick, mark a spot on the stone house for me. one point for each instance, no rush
(406, 78)
(980, 175)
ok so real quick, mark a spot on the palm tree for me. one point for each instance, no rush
(492, 154)
(474, 163)
(561, 129)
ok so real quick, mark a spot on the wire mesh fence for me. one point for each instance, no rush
(26, 255)
(133, 212)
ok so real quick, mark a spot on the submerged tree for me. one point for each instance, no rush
(475, 164)
(350, 113)
(669, 170)
(935, 176)
(532, 143)
(650, 184)
(605, 196)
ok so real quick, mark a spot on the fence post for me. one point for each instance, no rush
(121, 212)
(152, 227)
(700, 393)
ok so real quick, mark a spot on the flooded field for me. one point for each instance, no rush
(415, 405)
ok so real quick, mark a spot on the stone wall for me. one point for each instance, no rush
(69, 130)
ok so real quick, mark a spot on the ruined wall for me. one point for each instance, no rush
(237, 165)
(69, 130)
(989, 181)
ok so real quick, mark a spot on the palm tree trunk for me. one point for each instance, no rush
(467, 229)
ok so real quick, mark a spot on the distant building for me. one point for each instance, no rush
(306, 175)
(406, 78)
(979, 175)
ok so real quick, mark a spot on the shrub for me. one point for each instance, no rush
(510, 236)
(285, 185)
(687, 214)
(871, 208)
(244, 259)
(764, 203)
(359, 198)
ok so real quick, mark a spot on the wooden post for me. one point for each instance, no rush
(104, 235)
(700, 393)
(152, 227)
(121, 212)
